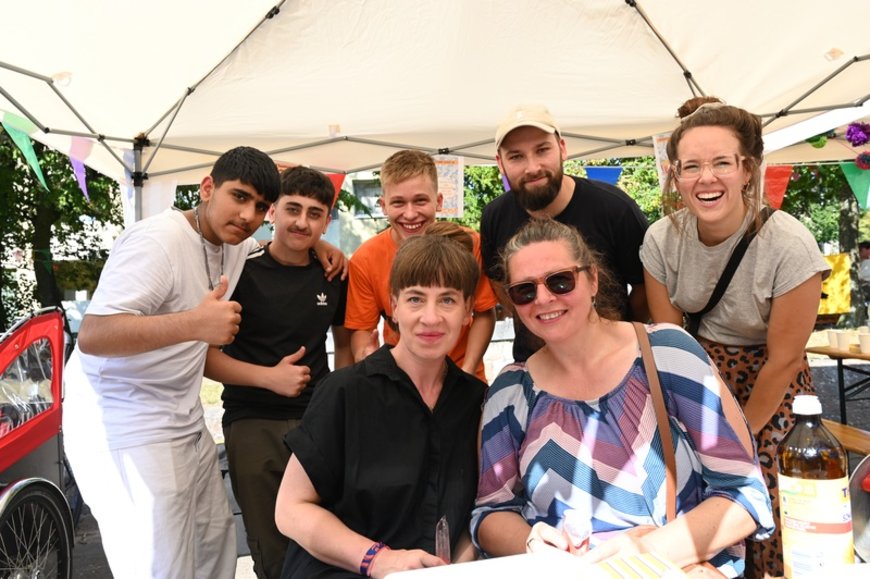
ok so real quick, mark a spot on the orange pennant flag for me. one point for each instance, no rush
(776, 180)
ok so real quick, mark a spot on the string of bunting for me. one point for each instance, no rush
(19, 130)
(776, 178)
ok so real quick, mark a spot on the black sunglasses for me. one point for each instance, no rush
(557, 283)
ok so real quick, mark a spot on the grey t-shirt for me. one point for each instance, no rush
(781, 257)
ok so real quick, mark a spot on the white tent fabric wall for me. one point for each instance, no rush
(382, 74)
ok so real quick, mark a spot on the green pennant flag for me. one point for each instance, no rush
(859, 181)
(23, 142)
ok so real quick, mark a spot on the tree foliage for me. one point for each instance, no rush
(813, 197)
(39, 227)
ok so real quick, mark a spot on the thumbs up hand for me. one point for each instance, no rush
(218, 319)
(286, 378)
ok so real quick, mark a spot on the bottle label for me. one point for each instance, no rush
(816, 524)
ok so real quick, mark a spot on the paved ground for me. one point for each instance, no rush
(89, 560)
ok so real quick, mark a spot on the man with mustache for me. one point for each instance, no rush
(272, 368)
(530, 154)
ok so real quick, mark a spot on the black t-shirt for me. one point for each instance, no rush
(609, 221)
(283, 307)
(385, 464)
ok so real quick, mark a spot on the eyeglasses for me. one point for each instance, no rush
(557, 283)
(720, 166)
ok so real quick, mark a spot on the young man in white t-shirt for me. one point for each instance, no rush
(133, 423)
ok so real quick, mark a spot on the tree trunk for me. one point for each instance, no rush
(849, 218)
(47, 292)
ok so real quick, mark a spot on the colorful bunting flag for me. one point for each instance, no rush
(25, 145)
(776, 179)
(859, 181)
(606, 174)
(79, 172)
(80, 148)
(337, 181)
(20, 123)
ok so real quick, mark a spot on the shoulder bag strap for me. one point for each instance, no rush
(655, 388)
(694, 318)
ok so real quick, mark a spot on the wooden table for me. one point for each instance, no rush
(850, 391)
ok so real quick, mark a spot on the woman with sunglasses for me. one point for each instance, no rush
(758, 330)
(573, 427)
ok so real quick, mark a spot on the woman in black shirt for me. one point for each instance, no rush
(388, 447)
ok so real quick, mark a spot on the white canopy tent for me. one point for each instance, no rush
(340, 84)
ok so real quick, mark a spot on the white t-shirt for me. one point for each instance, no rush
(156, 267)
(781, 257)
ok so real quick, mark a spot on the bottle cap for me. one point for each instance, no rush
(806, 405)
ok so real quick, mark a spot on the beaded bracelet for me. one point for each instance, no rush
(366, 564)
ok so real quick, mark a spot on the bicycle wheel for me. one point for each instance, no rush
(35, 535)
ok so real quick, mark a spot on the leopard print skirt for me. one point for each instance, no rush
(739, 367)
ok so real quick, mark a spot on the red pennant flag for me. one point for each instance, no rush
(337, 181)
(776, 180)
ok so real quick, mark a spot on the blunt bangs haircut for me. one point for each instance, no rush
(434, 261)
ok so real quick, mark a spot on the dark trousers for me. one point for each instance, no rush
(257, 457)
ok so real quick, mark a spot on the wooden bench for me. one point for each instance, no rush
(853, 439)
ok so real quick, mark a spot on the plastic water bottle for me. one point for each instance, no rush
(816, 515)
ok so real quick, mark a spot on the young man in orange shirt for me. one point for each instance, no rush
(410, 201)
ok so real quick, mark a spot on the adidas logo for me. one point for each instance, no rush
(321, 299)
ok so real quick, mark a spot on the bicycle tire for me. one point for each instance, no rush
(35, 531)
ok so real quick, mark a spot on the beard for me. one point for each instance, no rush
(538, 198)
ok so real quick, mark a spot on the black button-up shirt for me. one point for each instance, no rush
(383, 462)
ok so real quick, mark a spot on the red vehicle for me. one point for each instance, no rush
(36, 522)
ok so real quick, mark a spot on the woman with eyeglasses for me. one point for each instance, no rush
(574, 428)
(757, 332)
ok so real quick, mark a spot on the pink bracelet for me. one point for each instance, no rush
(365, 567)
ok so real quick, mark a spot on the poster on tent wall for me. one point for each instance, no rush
(663, 165)
(451, 185)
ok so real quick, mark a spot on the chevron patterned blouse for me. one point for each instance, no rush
(542, 454)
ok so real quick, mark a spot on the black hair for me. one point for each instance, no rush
(250, 166)
(307, 183)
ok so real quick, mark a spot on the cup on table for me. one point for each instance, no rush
(832, 338)
(844, 340)
(864, 342)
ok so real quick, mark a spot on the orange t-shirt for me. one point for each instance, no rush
(368, 291)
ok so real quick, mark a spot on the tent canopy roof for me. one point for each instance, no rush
(340, 84)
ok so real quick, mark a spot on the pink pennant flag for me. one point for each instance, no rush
(80, 148)
(79, 171)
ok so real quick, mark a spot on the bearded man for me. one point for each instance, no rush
(530, 154)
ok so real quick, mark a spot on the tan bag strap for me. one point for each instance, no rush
(655, 388)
